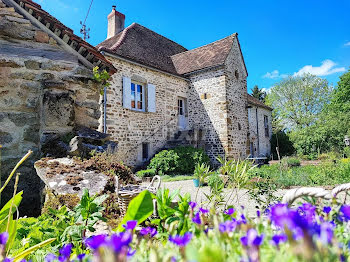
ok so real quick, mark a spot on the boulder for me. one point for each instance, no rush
(64, 176)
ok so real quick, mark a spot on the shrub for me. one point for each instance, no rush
(146, 173)
(180, 160)
(290, 162)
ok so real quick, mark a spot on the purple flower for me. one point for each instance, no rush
(197, 219)
(326, 232)
(95, 242)
(181, 241)
(130, 225)
(7, 260)
(229, 211)
(252, 238)
(81, 257)
(148, 231)
(307, 211)
(258, 213)
(3, 238)
(120, 241)
(203, 211)
(345, 211)
(327, 209)
(192, 204)
(131, 252)
(65, 252)
(227, 226)
(277, 239)
(50, 258)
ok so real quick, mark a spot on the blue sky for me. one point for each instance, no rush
(277, 37)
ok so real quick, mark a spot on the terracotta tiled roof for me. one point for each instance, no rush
(88, 51)
(142, 45)
(256, 102)
(213, 54)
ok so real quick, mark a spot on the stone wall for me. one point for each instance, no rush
(208, 109)
(132, 128)
(260, 142)
(236, 95)
(43, 91)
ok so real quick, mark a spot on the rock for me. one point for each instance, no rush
(52, 145)
(63, 176)
(41, 37)
(91, 136)
(30, 64)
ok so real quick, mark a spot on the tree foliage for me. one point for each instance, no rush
(258, 93)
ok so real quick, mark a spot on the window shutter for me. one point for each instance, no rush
(151, 96)
(126, 92)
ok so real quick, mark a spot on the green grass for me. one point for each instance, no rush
(327, 173)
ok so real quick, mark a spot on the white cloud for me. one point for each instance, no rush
(347, 44)
(327, 68)
(274, 74)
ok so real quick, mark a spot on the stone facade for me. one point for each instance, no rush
(260, 130)
(44, 90)
(132, 128)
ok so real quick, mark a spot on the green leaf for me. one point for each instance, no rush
(6, 209)
(27, 252)
(99, 200)
(140, 208)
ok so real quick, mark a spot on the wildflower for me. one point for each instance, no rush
(327, 209)
(258, 213)
(326, 232)
(130, 225)
(120, 241)
(181, 241)
(307, 211)
(197, 219)
(252, 238)
(192, 204)
(203, 211)
(65, 252)
(81, 257)
(277, 239)
(345, 211)
(131, 252)
(227, 226)
(148, 231)
(3, 238)
(229, 211)
(95, 242)
(50, 258)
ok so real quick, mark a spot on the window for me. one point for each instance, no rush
(266, 126)
(239, 126)
(180, 105)
(145, 149)
(137, 96)
(236, 74)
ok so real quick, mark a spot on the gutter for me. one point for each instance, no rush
(257, 129)
(105, 110)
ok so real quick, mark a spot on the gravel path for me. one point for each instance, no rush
(187, 186)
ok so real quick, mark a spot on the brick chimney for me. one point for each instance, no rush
(116, 22)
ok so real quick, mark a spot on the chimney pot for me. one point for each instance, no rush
(116, 22)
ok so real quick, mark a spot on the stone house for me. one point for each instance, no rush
(164, 95)
(46, 89)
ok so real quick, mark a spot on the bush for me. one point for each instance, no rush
(180, 160)
(146, 173)
(290, 162)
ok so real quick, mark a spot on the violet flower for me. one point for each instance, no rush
(148, 231)
(192, 204)
(252, 238)
(81, 257)
(130, 225)
(50, 258)
(203, 211)
(197, 219)
(327, 209)
(65, 252)
(119, 241)
(181, 241)
(3, 238)
(345, 212)
(277, 239)
(227, 226)
(229, 211)
(95, 242)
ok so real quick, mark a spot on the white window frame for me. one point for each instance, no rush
(143, 109)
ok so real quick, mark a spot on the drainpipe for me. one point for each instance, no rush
(257, 130)
(105, 110)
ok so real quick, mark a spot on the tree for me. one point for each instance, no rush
(298, 100)
(258, 93)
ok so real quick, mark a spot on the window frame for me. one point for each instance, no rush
(145, 148)
(143, 96)
(266, 126)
